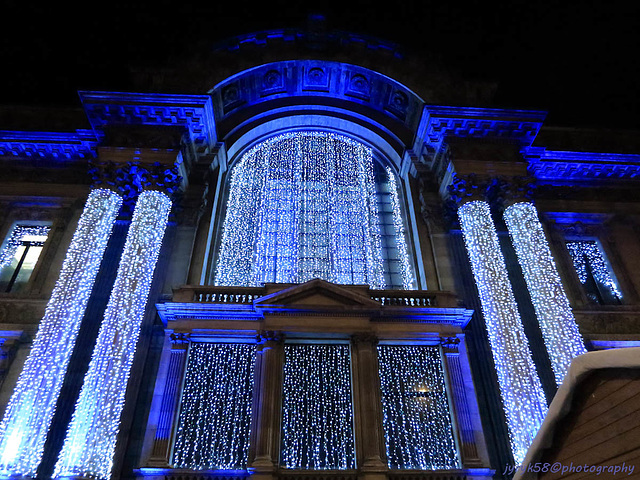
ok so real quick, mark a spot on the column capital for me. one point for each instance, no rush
(269, 336)
(507, 190)
(469, 187)
(180, 338)
(450, 344)
(129, 179)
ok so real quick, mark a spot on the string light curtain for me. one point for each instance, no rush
(18, 234)
(523, 399)
(28, 416)
(215, 417)
(416, 420)
(91, 438)
(559, 329)
(317, 412)
(588, 258)
(398, 223)
(302, 205)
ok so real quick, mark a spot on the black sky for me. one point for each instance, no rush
(578, 60)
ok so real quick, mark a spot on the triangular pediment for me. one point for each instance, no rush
(319, 293)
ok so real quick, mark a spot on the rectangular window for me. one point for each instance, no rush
(594, 272)
(416, 419)
(20, 254)
(215, 416)
(317, 410)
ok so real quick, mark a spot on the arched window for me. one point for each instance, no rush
(313, 204)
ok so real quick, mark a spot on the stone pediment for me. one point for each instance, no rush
(319, 293)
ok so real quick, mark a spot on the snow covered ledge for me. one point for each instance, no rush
(560, 406)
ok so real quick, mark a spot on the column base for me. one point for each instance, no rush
(263, 464)
(373, 464)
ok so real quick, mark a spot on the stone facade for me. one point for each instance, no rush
(185, 146)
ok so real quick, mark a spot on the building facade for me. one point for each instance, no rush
(308, 264)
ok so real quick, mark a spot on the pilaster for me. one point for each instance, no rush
(465, 431)
(265, 442)
(171, 378)
(370, 446)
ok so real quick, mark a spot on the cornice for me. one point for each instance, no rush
(57, 146)
(192, 112)
(562, 167)
(441, 123)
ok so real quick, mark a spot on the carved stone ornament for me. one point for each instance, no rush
(468, 187)
(265, 336)
(180, 338)
(450, 343)
(132, 178)
(505, 191)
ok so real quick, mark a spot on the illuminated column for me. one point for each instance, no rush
(91, 439)
(267, 403)
(368, 409)
(24, 428)
(522, 395)
(559, 329)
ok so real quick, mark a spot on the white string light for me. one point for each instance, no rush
(91, 439)
(416, 420)
(405, 266)
(17, 236)
(586, 255)
(215, 417)
(26, 421)
(302, 205)
(317, 413)
(559, 329)
(522, 396)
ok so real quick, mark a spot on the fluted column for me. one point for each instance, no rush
(267, 403)
(91, 439)
(169, 402)
(559, 329)
(26, 422)
(368, 404)
(462, 416)
(520, 388)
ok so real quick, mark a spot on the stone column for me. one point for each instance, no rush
(167, 410)
(522, 394)
(559, 329)
(460, 407)
(370, 446)
(24, 428)
(91, 439)
(267, 401)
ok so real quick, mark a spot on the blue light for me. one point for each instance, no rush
(302, 205)
(215, 416)
(416, 419)
(91, 438)
(553, 311)
(317, 414)
(523, 399)
(49, 145)
(587, 257)
(26, 421)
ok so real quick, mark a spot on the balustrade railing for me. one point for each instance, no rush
(247, 295)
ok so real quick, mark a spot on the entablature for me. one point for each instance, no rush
(316, 306)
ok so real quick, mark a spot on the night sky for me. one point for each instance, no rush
(578, 60)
